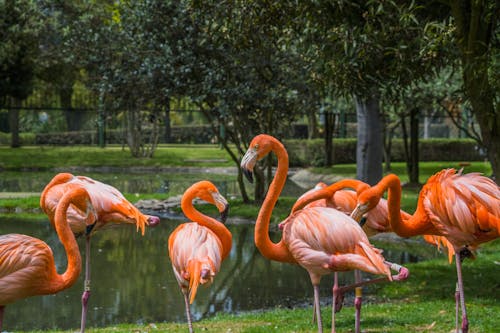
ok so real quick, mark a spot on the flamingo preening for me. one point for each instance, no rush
(197, 249)
(110, 206)
(464, 208)
(337, 196)
(322, 240)
(27, 266)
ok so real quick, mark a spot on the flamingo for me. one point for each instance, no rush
(197, 249)
(321, 240)
(334, 196)
(111, 208)
(464, 208)
(27, 265)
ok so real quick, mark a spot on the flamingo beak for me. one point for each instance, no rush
(152, 220)
(248, 162)
(358, 212)
(222, 205)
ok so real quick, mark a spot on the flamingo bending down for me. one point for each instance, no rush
(111, 208)
(197, 249)
(27, 266)
(335, 196)
(322, 240)
(464, 208)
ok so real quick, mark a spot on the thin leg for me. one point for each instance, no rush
(357, 302)
(318, 308)
(334, 301)
(2, 309)
(314, 313)
(465, 322)
(188, 311)
(86, 291)
(457, 306)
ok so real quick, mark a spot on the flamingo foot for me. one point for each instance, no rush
(465, 324)
(339, 301)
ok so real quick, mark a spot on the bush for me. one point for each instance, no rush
(303, 153)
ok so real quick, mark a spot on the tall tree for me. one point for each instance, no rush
(477, 39)
(20, 26)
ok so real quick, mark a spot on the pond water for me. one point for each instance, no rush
(133, 281)
(170, 183)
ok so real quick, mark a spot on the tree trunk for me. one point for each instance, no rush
(329, 127)
(15, 141)
(133, 134)
(73, 117)
(476, 22)
(414, 171)
(166, 119)
(312, 125)
(370, 139)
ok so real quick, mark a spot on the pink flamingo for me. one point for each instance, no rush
(197, 249)
(111, 208)
(322, 240)
(27, 266)
(464, 208)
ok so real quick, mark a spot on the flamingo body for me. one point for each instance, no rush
(195, 252)
(197, 249)
(323, 240)
(27, 265)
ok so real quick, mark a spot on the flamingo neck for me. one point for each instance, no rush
(274, 251)
(69, 243)
(328, 192)
(414, 225)
(218, 228)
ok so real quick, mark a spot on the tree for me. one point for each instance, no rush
(250, 82)
(477, 40)
(20, 25)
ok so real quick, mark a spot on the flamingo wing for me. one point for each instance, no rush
(26, 265)
(464, 208)
(319, 236)
(196, 255)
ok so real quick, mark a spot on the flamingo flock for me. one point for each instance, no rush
(327, 232)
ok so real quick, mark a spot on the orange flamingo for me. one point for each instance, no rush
(322, 240)
(111, 208)
(464, 208)
(27, 265)
(197, 249)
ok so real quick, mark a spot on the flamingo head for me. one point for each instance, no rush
(208, 192)
(259, 147)
(367, 200)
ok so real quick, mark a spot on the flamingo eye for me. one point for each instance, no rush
(256, 147)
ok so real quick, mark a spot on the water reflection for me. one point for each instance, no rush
(133, 282)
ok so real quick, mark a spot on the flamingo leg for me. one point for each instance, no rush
(86, 291)
(334, 301)
(357, 302)
(188, 311)
(465, 321)
(318, 308)
(457, 306)
(2, 309)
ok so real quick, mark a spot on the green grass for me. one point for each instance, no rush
(42, 158)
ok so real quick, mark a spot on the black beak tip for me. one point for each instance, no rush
(248, 174)
(224, 214)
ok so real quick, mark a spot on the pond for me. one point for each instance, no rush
(170, 183)
(133, 281)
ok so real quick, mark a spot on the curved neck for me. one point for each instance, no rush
(274, 251)
(217, 227)
(416, 224)
(68, 241)
(328, 192)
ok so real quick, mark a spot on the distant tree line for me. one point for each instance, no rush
(254, 66)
